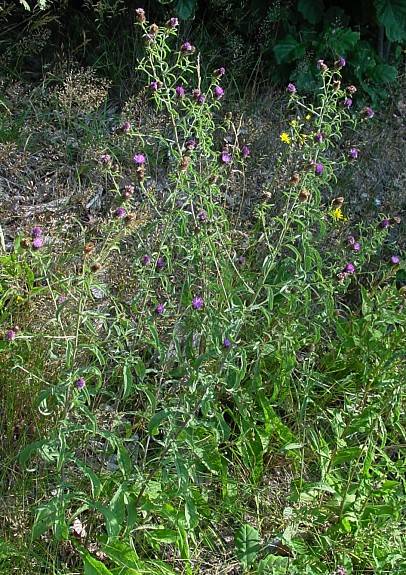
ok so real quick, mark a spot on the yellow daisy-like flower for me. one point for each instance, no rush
(285, 138)
(338, 215)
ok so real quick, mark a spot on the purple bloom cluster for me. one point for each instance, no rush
(180, 91)
(218, 92)
(245, 151)
(347, 103)
(395, 260)
(105, 159)
(154, 86)
(37, 238)
(146, 260)
(160, 263)
(226, 343)
(120, 213)
(10, 335)
(353, 153)
(291, 88)
(202, 216)
(319, 168)
(80, 383)
(139, 159)
(187, 48)
(172, 23)
(369, 112)
(341, 62)
(225, 157)
(385, 223)
(219, 72)
(318, 138)
(160, 309)
(197, 302)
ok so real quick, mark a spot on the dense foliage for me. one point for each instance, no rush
(191, 382)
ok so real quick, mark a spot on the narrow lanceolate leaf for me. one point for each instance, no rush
(247, 545)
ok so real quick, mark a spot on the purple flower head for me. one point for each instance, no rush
(385, 223)
(180, 91)
(201, 99)
(10, 335)
(190, 144)
(105, 159)
(291, 88)
(369, 112)
(226, 343)
(395, 260)
(340, 570)
(139, 159)
(140, 14)
(126, 127)
(172, 23)
(353, 153)
(245, 151)
(349, 268)
(318, 138)
(187, 48)
(149, 38)
(128, 191)
(319, 168)
(36, 232)
(351, 240)
(37, 243)
(197, 302)
(219, 72)
(80, 383)
(347, 102)
(154, 85)
(241, 260)
(160, 309)
(160, 263)
(341, 62)
(225, 157)
(61, 299)
(120, 213)
(218, 92)
(202, 216)
(146, 260)
(356, 247)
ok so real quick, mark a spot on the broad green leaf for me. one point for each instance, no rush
(122, 554)
(384, 74)
(288, 50)
(247, 545)
(311, 10)
(186, 8)
(392, 15)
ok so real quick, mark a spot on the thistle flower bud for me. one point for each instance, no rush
(338, 202)
(184, 164)
(96, 267)
(88, 248)
(351, 89)
(172, 23)
(153, 29)
(295, 179)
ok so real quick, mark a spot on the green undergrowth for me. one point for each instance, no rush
(184, 390)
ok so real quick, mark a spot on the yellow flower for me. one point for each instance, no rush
(338, 215)
(293, 123)
(285, 138)
(308, 117)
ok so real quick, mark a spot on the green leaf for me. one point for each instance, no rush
(94, 566)
(247, 545)
(122, 554)
(186, 8)
(346, 454)
(341, 40)
(392, 15)
(128, 381)
(156, 420)
(384, 74)
(311, 10)
(90, 474)
(288, 49)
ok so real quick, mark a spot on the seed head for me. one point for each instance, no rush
(88, 248)
(154, 29)
(304, 195)
(338, 202)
